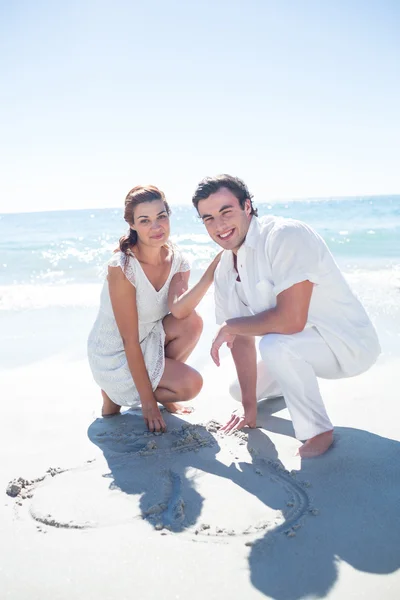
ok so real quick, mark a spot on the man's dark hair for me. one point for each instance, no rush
(211, 185)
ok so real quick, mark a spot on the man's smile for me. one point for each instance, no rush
(227, 234)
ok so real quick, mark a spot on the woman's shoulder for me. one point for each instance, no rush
(126, 261)
(180, 260)
(118, 259)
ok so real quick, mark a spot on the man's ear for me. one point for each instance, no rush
(247, 207)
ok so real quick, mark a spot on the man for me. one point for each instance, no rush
(278, 280)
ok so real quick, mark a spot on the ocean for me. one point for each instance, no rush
(52, 265)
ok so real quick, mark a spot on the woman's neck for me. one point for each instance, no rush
(148, 255)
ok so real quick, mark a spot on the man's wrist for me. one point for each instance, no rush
(249, 402)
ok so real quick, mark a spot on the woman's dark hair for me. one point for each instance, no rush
(211, 185)
(138, 195)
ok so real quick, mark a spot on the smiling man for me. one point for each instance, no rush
(278, 282)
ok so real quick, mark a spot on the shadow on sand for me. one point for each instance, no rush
(167, 482)
(355, 487)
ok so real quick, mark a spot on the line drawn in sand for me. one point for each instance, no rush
(184, 481)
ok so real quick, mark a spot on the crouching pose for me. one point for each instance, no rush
(146, 327)
(277, 279)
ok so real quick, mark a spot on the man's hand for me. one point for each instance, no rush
(241, 418)
(222, 337)
(152, 417)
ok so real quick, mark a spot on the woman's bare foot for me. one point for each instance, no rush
(317, 445)
(109, 407)
(178, 408)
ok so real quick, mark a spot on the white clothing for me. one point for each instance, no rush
(106, 352)
(339, 339)
(289, 366)
(279, 253)
(240, 292)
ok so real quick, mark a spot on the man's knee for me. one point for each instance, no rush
(235, 391)
(274, 348)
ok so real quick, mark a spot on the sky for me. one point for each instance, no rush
(299, 98)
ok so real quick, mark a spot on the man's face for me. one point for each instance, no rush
(226, 221)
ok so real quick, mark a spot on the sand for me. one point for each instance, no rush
(100, 508)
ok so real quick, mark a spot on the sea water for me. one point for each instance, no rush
(52, 266)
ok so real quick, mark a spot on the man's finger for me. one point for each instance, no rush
(231, 424)
(238, 426)
(215, 354)
(233, 417)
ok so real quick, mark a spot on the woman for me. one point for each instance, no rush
(146, 327)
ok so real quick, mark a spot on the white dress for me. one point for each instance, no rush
(106, 352)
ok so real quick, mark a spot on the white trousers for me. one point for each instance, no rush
(289, 367)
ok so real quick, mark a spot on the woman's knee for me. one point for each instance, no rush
(194, 324)
(191, 384)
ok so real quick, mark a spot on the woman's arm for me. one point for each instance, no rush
(181, 301)
(123, 301)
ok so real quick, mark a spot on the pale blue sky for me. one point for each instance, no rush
(300, 98)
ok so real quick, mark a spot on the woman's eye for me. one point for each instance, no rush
(162, 217)
(144, 221)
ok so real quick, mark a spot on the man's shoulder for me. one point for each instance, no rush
(279, 227)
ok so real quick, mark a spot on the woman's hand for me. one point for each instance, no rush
(152, 417)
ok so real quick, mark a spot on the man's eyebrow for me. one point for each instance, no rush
(225, 206)
(220, 210)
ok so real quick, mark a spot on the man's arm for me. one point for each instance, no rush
(245, 358)
(288, 316)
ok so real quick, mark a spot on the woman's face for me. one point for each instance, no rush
(151, 222)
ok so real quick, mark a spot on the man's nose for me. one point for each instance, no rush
(219, 225)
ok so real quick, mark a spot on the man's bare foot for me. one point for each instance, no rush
(317, 445)
(109, 407)
(178, 408)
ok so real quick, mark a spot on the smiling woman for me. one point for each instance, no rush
(147, 326)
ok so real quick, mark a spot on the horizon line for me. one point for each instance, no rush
(271, 201)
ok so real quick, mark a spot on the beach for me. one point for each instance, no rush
(100, 508)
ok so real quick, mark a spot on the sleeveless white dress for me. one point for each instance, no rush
(107, 358)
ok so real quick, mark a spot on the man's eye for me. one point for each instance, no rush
(226, 212)
(207, 220)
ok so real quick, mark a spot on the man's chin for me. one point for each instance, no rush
(229, 244)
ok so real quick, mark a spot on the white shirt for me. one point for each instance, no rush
(277, 254)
